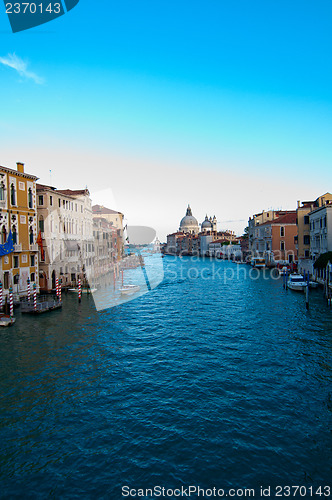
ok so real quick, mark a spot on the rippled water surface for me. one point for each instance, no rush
(209, 380)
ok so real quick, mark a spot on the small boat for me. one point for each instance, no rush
(283, 270)
(44, 304)
(6, 320)
(83, 290)
(297, 282)
(258, 262)
(129, 289)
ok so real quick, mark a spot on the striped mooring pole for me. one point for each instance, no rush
(34, 296)
(29, 289)
(79, 291)
(57, 287)
(59, 296)
(0, 294)
(11, 302)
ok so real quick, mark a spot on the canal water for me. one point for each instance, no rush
(213, 379)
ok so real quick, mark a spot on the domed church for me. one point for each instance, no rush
(189, 224)
(209, 224)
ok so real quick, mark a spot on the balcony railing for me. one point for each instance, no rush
(33, 247)
(18, 248)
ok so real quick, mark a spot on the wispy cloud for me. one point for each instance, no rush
(21, 67)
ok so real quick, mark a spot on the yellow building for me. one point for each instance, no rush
(18, 215)
(303, 228)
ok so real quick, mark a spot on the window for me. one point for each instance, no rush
(306, 219)
(306, 253)
(30, 199)
(16, 279)
(282, 231)
(59, 203)
(14, 234)
(32, 260)
(51, 200)
(282, 246)
(40, 199)
(12, 195)
(325, 221)
(15, 261)
(32, 277)
(2, 191)
(3, 235)
(31, 236)
(306, 239)
(41, 223)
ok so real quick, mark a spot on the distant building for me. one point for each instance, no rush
(105, 246)
(115, 218)
(189, 224)
(18, 215)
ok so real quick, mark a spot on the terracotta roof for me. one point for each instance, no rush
(223, 240)
(285, 218)
(289, 218)
(43, 187)
(100, 209)
(70, 192)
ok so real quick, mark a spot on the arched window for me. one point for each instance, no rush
(14, 234)
(31, 236)
(12, 195)
(2, 191)
(3, 235)
(30, 199)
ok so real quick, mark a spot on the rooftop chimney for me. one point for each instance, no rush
(298, 203)
(20, 167)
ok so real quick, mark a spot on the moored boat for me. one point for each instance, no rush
(296, 282)
(6, 320)
(129, 289)
(258, 262)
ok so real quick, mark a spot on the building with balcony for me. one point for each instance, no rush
(18, 215)
(66, 227)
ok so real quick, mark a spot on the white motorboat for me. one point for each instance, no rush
(6, 320)
(296, 282)
(83, 290)
(129, 289)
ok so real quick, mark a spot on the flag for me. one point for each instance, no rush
(40, 244)
(7, 247)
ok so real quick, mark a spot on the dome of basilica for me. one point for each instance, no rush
(189, 223)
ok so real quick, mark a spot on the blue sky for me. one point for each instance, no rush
(229, 102)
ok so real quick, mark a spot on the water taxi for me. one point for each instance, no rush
(258, 262)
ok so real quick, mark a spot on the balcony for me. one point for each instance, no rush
(33, 248)
(17, 248)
